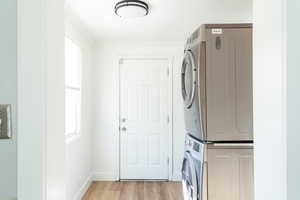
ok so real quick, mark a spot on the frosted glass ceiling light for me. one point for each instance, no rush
(131, 8)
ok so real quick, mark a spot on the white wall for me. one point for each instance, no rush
(41, 148)
(276, 100)
(8, 95)
(31, 99)
(55, 101)
(105, 104)
(270, 99)
(293, 99)
(79, 149)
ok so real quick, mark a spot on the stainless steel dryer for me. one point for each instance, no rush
(216, 79)
(193, 85)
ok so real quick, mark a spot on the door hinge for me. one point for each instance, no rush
(168, 71)
(168, 161)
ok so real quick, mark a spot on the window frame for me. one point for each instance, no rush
(78, 122)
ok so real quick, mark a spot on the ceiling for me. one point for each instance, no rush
(168, 20)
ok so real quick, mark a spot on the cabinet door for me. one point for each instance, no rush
(229, 85)
(230, 174)
(222, 180)
(246, 174)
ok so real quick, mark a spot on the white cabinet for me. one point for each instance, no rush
(230, 174)
(229, 85)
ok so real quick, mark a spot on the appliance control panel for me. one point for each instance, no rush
(5, 121)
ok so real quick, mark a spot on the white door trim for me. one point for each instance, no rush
(170, 60)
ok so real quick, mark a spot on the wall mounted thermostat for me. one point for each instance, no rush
(5, 121)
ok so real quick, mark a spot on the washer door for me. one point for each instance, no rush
(189, 178)
(188, 78)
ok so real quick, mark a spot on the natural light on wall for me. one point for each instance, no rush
(73, 62)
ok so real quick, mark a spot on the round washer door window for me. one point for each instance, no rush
(189, 178)
(188, 79)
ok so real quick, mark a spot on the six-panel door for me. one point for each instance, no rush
(144, 103)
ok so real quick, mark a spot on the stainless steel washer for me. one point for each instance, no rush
(192, 169)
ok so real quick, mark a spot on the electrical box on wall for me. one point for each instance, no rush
(5, 121)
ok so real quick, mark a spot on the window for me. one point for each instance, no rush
(72, 87)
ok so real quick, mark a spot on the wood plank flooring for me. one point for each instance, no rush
(141, 190)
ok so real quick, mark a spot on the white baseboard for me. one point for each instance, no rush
(104, 176)
(83, 189)
(109, 176)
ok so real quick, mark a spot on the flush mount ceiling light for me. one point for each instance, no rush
(131, 8)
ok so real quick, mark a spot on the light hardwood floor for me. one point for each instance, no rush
(134, 191)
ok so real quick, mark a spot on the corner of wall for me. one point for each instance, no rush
(105, 176)
(84, 188)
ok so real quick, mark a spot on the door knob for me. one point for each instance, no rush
(124, 129)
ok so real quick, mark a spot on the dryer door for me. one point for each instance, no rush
(188, 78)
(189, 178)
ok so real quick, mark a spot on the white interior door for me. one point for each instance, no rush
(144, 120)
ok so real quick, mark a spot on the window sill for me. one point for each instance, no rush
(72, 137)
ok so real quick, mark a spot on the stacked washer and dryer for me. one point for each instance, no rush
(217, 93)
